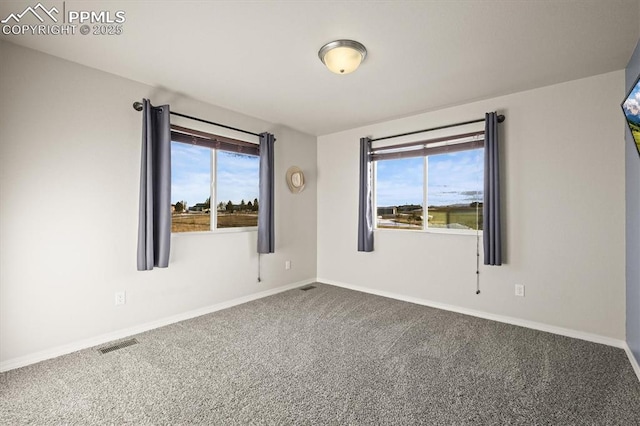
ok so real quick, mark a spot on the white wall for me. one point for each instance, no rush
(69, 176)
(632, 171)
(563, 186)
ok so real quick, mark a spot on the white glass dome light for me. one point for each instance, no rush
(342, 56)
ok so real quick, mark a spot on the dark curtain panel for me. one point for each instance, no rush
(491, 208)
(266, 230)
(365, 209)
(154, 219)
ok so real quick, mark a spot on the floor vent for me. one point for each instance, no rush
(309, 287)
(117, 346)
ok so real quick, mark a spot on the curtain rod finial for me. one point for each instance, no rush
(137, 106)
(500, 118)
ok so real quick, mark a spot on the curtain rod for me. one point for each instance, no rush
(500, 120)
(138, 107)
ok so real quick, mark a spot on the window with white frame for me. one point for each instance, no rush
(214, 182)
(439, 185)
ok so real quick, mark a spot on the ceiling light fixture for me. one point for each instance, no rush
(342, 56)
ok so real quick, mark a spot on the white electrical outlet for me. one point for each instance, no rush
(121, 298)
(520, 290)
(287, 264)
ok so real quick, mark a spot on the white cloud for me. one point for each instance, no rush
(190, 173)
(632, 105)
(192, 187)
(455, 178)
(237, 175)
(399, 182)
(236, 187)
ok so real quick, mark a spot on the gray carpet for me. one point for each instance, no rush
(331, 356)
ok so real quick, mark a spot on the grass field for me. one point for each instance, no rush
(399, 222)
(442, 217)
(195, 222)
(635, 132)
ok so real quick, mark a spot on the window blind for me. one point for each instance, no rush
(447, 144)
(208, 140)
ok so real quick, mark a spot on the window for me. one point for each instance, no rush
(447, 179)
(214, 183)
(400, 193)
(455, 189)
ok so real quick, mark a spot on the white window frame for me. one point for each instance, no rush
(214, 194)
(213, 205)
(425, 211)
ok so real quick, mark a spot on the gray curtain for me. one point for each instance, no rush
(492, 231)
(365, 208)
(154, 219)
(266, 231)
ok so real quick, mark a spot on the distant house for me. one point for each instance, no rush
(200, 207)
(385, 211)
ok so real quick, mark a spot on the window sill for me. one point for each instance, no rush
(451, 231)
(219, 231)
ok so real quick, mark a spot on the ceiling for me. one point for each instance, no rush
(260, 57)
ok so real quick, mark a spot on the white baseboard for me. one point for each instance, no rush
(25, 360)
(632, 360)
(596, 338)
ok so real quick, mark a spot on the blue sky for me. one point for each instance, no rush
(238, 177)
(399, 181)
(191, 175)
(455, 178)
(632, 104)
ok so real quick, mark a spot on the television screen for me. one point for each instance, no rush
(631, 108)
